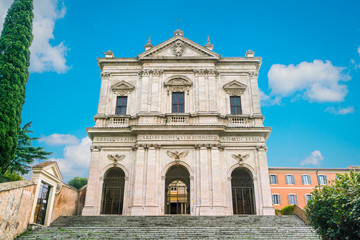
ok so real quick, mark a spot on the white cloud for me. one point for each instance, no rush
(317, 81)
(44, 57)
(358, 50)
(314, 159)
(340, 111)
(59, 139)
(267, 100)
(76, 159)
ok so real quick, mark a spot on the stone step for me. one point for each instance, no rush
(175, 227)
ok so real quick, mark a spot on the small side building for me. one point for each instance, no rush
(295, 185)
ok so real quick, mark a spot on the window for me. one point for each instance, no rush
(306, 180)
(307, 197)
(177, 102)
(293, 199)
(322, 179)
(290, 179)
(273, 179)
(276, 199)
(235, 104)
(121, 103)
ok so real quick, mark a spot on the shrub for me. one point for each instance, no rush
(334, 210)
(288, 210)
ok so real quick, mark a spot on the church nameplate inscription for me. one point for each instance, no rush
(114, 139)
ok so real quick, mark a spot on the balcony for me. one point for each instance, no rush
(240, 121)
(178, 120)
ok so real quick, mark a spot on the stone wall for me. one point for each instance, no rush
(66, 202)
(300, 213)
(16, 200)
(81, 202)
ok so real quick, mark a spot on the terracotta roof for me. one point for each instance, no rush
(43, 164)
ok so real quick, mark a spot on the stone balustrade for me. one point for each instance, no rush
(178, 119)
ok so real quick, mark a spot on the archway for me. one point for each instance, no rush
(113, 191)
(242, 187)
(177, 190)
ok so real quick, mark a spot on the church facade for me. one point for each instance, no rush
(179, 130)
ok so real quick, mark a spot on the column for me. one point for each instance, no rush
(91, 191)
(263, 179)
(138, 187)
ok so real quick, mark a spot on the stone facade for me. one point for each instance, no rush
(206, 139)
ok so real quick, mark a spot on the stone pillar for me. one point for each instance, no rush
(204, 182)
(198, 181)
(103, 93)
(263, 179)
(150, 182)
(90, 204)
(255, 99)
(138, 187)
(218, 176)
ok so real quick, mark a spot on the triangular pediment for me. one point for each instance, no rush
(178, 47)
(234, 88)
(122, 88)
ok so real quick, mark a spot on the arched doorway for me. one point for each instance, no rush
(242, 187)
(177, 191)
(113, 191)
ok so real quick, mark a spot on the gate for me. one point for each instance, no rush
(242, 187)
(41, 205)
(113, 192)
(177, 201)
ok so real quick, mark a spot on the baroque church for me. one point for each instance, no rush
(179, 130)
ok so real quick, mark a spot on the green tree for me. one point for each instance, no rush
(26, 153)
(15, 41)
(78, 182)
(10, 177)
(334, 210)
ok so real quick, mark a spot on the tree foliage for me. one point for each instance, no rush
(26, 153)
(10, 177)
(78, 182)
(334, 210)
(15, 41)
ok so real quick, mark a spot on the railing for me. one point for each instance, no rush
(178, 120)
(118, 122)
(240, 122)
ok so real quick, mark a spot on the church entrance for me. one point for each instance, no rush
(242, 187)
(113, 191)
(177, 191)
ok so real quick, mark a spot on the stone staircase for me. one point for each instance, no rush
(175, 227)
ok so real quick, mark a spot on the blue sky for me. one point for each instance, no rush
(309, 76)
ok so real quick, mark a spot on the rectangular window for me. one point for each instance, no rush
(322, 179)
(273, 179)
(290, 179)
(178, 102)
(235, 104)
(292, 199)
(276, 199)
(307, 197)
(121, 103)
(306, 180)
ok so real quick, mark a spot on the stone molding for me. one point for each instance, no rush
(150, 72)
(178, 83)
(122, 88)
(253, 74)
(105, 75)
(206, 73)
(234, 88)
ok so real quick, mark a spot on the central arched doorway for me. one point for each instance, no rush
(242, 186)
(113, 191)
(177, 190)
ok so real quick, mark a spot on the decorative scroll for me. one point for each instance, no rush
(178, 84)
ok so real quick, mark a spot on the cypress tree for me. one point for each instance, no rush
(15, 41)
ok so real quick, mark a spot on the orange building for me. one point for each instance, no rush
(295, 185)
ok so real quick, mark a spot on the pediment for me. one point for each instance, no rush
(178, 84)
(234, 88)
(178, 47)
(122, 88)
